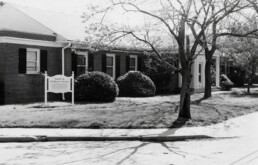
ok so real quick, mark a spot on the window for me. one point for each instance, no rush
(82, 63)
(110, 65)
(33, 61)
(200, 73)
(133, 63)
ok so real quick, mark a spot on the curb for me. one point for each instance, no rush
(101, 138)
(17, 139)
(174, 138)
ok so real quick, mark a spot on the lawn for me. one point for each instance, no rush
(152, 112)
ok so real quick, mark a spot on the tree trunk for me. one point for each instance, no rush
(207, 92)
(251, 77)
(185, 94)
(248, 85)
(253, 73)
(185, 111)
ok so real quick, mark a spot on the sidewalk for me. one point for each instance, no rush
(246, 125)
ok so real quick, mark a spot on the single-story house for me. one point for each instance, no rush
(34, 41)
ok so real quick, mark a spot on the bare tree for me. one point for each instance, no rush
(170, 20)
(222, 16)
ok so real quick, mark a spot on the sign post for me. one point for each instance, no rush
(72, 88)
(59, 84)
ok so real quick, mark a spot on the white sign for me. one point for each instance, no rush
(59, 84)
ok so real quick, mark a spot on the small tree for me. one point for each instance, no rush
(243, 51)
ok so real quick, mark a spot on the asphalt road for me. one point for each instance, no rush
(233, 151)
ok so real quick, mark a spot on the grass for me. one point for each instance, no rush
(153, 112)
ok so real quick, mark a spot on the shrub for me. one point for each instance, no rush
(238, 77)
(225, 82)
(135, 84)
(161, 72)
(95, 86)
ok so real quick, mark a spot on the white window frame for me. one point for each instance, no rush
(86, 56)
(114, 64)
(136, 62)
(38, 61)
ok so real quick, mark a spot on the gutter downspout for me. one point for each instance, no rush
(63, 63)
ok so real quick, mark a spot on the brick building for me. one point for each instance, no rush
(32, 42)
(28, 49)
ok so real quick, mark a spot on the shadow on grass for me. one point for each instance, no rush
(253, 94)
(93, 102)
(245, 86)
(179, 122)
(43, 106)
(198, 101)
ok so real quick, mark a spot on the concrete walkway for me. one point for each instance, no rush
(246, 125)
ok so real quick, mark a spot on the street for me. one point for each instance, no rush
(228, 151)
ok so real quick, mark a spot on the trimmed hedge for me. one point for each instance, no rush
(95, 86)
(135, 84)
(225, 82)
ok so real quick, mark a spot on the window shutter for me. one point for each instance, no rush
(22, 60)
(104, 63)
(127, 63)
(74, 64)
(140, 62)
(43, 60)
(91, 62)
(117, 66)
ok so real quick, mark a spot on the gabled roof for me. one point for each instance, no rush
(25, 19)
(15, 20)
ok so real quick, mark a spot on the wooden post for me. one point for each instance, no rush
(46, 87)
(72, 88)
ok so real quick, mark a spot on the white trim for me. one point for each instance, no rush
(217, 70)
(23, 41)
(136, 61)
(114, 63)
(38, 61)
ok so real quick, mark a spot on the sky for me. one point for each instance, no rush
(64, 6)
(77, 7)
(74, 7)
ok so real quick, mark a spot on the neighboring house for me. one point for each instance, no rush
(198, 72)
(34, 41)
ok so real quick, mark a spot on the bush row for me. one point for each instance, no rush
(100, 87)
